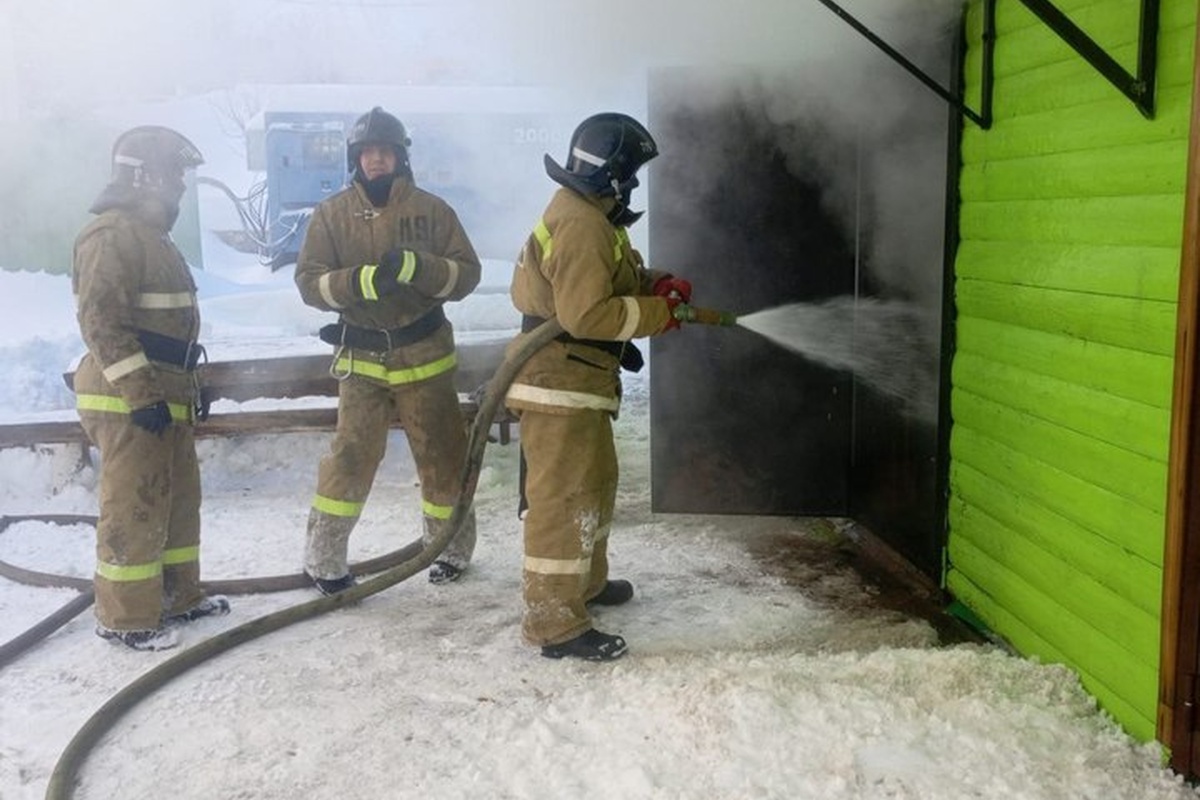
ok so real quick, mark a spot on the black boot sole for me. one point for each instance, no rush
(589, 646)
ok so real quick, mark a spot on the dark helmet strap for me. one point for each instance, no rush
(622, 216)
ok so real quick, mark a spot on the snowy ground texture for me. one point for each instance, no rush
(743, 680)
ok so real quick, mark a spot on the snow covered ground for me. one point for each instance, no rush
(749, 674)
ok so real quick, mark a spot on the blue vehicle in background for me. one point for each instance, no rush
(305, 162)
(486, 165)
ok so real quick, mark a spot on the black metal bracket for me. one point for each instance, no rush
(984, 118)
(1139, 88)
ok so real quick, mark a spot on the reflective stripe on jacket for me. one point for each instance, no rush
(128, 276)
(577, 266)
(107, 404)
(347, 232)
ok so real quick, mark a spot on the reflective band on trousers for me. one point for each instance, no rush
(564, 566)
(396, 377)
(337, 508)
(127, 573)
(106, 403)
(347, 508)
(434, 510)
(558, 566)
(181, 555)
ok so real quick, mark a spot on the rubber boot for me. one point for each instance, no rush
(151, 639)
(457, 554)
(327, 545)
(213, 605)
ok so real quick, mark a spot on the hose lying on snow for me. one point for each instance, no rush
(62, 779)
(10, 650)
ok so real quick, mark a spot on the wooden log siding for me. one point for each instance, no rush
(1066, 284)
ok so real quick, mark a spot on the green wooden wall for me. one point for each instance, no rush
(1065, 286)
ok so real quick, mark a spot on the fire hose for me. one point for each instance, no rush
(10, 650)
(63, 777)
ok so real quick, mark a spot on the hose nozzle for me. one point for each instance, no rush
(705, 316)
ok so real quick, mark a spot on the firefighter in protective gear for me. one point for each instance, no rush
(386, 255)
(137, 394)
(578, 265)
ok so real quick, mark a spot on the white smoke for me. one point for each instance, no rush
(74, 74)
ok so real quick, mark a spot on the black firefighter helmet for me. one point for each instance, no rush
(379, 127)
(605, 154)
(154, 158)
(148, 163)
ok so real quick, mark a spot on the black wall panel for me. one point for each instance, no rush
(738, 424)
(762, 209)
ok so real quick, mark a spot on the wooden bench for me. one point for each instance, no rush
(286, 377)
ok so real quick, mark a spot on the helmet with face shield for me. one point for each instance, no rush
(153, 158)
(605, 153)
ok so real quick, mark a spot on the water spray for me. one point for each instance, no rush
(886, 344)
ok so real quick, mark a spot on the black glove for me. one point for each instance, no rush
(394, 271)
(154, 418)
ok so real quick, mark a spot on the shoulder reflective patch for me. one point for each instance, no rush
(544, 239)
(621, 242)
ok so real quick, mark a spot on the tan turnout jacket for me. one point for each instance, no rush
(578, 267)
(129, 276)
(346, 231)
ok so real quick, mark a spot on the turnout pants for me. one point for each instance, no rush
(570, 488)
(148, 533)
(437, 436)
